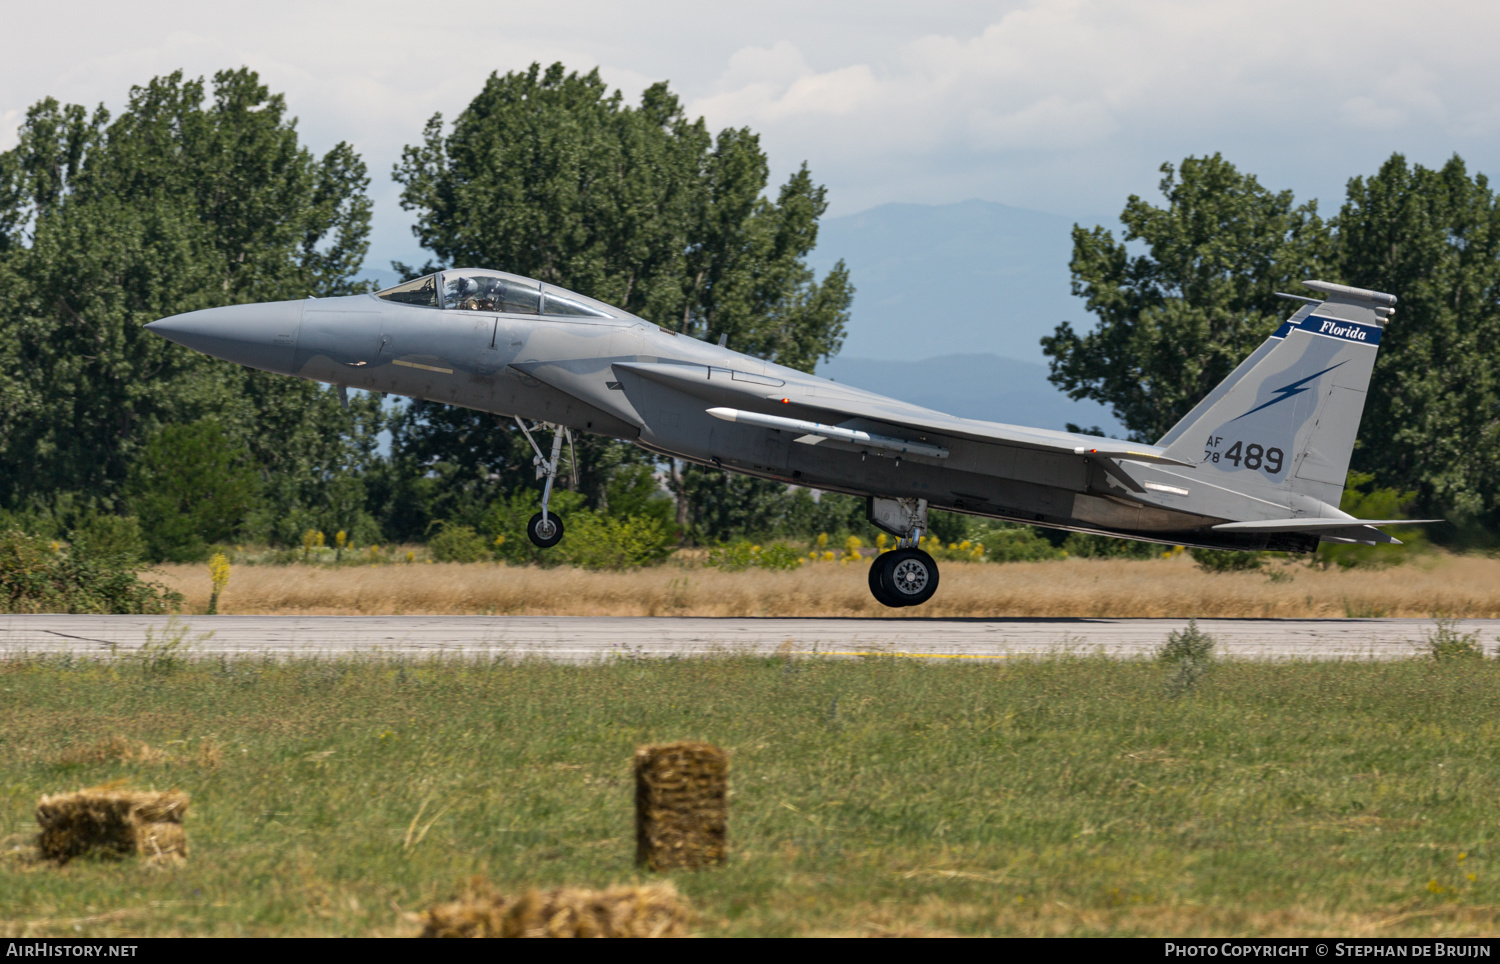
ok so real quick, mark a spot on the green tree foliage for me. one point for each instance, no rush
(187, 200)
(1177, 318)
(190, 486)
(37, 576)
(1432, 421)
(113, 537)
(550, 174)
(1005, 542)
(599, 541)
(455, 543)
(1084, 545)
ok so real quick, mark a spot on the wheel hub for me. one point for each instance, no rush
(910, 576)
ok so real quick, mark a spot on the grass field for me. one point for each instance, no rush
(1061, 796)
(1466, 586)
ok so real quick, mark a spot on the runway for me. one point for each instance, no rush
(592, 639)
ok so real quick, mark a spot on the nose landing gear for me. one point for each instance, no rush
(906, 576)
(545, 529)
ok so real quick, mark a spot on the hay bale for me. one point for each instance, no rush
(654, 911)
(111, 822)
(681, 805)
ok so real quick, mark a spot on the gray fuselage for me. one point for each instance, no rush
(625, 378)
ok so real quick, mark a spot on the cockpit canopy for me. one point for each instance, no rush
(479, 289)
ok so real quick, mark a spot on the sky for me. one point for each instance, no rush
(1064, 106)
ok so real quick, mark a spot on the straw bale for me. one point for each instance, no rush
(654, 911)
(111, 822)
(681, 805)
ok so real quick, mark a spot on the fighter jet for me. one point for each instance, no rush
(1259, 464)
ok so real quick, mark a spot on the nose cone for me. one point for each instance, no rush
(258, 336)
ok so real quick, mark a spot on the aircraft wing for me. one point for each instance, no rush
(758, 404)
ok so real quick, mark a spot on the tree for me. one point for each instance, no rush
(1432, 421)
(190, 486)
(177, 204)
(1176, 319)
(550, 175)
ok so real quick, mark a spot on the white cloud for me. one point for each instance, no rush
(1065, 71)
(1059, 104)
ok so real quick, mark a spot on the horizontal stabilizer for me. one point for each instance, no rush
(1130, 454)
(1361, 531)
(1314, 525)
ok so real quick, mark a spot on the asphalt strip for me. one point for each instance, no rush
(586, 639)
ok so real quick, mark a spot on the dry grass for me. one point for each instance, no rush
(650, 911)
(205, 753)
(1463, 585)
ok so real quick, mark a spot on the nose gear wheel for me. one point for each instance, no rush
(545, 531)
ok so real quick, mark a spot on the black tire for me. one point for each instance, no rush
(877, 590)
(550, 539)
(911, 576)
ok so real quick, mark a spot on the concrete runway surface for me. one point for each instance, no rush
(569, 639)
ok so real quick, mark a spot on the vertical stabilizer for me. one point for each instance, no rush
(1288, 416)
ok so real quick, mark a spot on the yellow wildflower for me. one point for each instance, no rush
(218, 575)
(218, 572)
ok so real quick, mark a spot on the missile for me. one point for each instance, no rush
(820, 431)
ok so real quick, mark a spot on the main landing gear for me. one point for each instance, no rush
(906, 576)
(545, 529)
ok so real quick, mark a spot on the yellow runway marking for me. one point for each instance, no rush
(835, 652)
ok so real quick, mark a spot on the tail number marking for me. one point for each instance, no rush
(1251, 456)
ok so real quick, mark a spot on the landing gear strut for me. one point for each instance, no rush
(545, 529)
(906, 576)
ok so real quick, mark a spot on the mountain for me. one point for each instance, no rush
(984, 386)
(973, 277)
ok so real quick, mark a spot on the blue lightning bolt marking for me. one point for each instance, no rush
(1287, 391)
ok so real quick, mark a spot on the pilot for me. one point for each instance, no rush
(468, 289)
